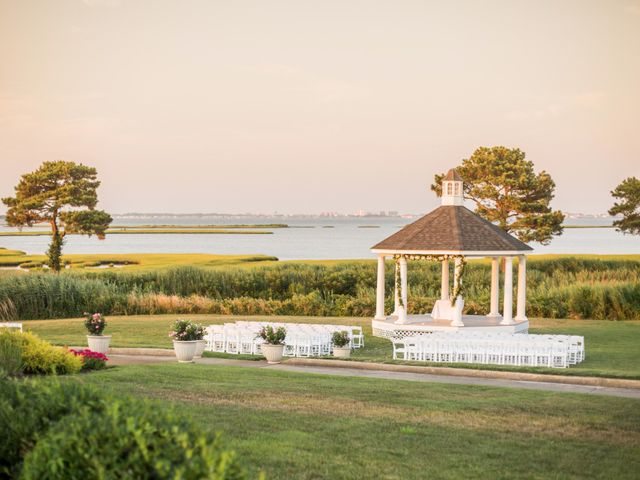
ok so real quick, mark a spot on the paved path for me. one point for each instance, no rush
(387, 375)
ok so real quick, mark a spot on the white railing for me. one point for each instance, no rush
(517, 349)
(11, 325)
(302, 339)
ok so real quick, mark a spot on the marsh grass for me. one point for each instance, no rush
(560, 287)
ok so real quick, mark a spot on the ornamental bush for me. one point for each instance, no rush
(26, 353)
(40, 357)
(129, 439)
(28, 408)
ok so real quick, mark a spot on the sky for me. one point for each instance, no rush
(297, 106)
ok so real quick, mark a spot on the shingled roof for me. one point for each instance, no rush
(452, 175)
(452, 228)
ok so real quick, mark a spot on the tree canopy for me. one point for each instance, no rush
(628, 194)
(507, 191)
(62, 194)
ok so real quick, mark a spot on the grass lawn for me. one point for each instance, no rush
(611, 347)
(306, 426)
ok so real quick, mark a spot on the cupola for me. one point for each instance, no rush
(452, 189)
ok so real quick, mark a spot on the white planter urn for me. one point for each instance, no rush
(185, 350)
(273, 353)
(200, 346)
(342, 352)
(99, 343)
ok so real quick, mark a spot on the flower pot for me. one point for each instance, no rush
(200, 346)
(185, 350)
(273, 353)
(342, 352)
(99, 343)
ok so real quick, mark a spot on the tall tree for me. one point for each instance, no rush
(62, 194)
(628, 194)
(507, 191)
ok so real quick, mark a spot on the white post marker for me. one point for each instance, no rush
(380, 289)
(495, 288)
(508, 292)
(522, 289)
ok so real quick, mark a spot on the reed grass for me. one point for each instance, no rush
(561, 287)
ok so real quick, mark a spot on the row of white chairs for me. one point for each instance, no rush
(355, 332)
(554, 351)
(302, 340)
(16, 325)
(576, 342)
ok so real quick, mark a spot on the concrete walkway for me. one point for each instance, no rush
(388, 375)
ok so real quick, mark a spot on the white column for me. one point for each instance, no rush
(508, 292)
(456, 270)
(396, 295)
(495, 288)
(459, 301)
(402, 309)
(403, 281)
(522, 289)
(380, 289)
(444, 288)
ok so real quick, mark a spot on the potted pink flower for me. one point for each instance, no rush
(201, 343)
(185, 335)
(95, 324)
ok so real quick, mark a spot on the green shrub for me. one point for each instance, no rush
(40, 357)
(10, 352)
(28, 408)
(129, 440)
(69, 431)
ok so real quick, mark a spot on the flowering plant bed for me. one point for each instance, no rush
(91, 360)
(95, 323)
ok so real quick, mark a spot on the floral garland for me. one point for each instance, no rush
(398, 282)
(456, 291)
(458, 288)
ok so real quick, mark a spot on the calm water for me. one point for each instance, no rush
(307, 239)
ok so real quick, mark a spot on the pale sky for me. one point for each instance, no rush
(308, 106)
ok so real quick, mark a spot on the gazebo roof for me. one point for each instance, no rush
(452, 228)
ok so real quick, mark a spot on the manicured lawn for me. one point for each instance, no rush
(306, 426)
(612, 347)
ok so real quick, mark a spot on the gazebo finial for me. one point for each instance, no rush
(452, 188)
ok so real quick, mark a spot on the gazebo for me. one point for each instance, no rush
(451, 232)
